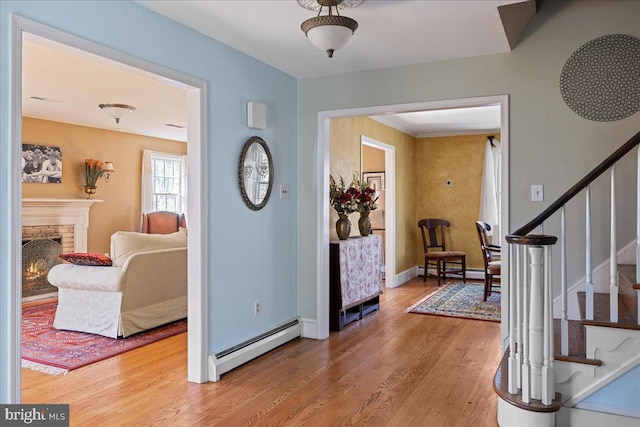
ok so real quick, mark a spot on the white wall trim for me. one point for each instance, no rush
(390, 204)
(599, 407)
(575, 417)
(404, 276)
(322, 187)
(309, 328)
(472, 273)
(198, 280)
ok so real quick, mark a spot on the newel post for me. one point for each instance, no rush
(531, 318)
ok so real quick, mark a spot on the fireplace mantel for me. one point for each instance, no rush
(36, 212)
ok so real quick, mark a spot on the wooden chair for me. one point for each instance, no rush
(490, 256)
(436, 253)
(162, 222)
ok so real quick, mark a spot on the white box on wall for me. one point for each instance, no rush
(256, 115)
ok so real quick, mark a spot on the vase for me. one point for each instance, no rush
(343, 227)
(90, 190)
(364, 224)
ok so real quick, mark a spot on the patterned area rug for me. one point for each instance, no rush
(460, 300)
(55, 351)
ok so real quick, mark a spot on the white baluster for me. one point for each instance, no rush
(513, 366)
(548, 373)
(526, 366)
(537, 342)
(588, 264)
(519, 321)
(613, 287)
(564, 322)
(638, 230)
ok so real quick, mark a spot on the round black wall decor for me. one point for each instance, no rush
(601, 80)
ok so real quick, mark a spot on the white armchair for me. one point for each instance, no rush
(146, 286)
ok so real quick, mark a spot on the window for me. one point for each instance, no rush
(163, 182)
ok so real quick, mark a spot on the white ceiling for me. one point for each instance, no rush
(390, 33)
(74, 83)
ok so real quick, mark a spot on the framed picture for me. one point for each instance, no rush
(374, 179)
(41, 163)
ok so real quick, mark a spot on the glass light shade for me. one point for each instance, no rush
(329, 37)
(329, 32)
(117, 111)
(107, 167)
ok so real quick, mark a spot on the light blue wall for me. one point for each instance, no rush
(252, 254)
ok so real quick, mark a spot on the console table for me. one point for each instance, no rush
(355, 279)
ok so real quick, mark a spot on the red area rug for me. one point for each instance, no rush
(55, 351)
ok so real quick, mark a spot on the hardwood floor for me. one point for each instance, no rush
(390, 369)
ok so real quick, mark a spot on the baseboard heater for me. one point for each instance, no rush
(472, 273)
(231, 358)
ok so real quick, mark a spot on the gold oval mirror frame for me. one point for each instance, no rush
(255, 173)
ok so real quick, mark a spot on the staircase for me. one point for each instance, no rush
(555, 371)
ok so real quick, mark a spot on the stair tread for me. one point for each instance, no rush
(577, 343)
(601, 314)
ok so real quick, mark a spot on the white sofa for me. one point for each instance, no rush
(146, 286)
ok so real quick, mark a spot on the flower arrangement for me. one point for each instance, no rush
(342, 199)
(365, 198)
(91, 170)
(357, 197)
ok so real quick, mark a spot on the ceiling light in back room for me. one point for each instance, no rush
(117, 111)
(40, 98)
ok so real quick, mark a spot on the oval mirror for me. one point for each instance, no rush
(255, 173)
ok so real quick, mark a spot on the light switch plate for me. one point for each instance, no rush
(537, 193)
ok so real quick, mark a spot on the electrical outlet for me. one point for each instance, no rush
(257, 308)
(284, 191)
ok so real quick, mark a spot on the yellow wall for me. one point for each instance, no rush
(345, 158)
(120, 209)
(423, 166)
(460, 159)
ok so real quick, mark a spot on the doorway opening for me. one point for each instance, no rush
(324, 126)
(383, 174)
(198, 196)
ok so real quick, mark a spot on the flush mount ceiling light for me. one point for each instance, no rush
(329, 32)
(117, 111)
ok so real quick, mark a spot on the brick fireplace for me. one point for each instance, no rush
(61, 225)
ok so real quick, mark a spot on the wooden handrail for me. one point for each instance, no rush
(581, 185)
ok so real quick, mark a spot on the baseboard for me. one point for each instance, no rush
(404, 276)
(472, 273)
(598, 407)
(235, 356)
(576, 417)
(309, 328)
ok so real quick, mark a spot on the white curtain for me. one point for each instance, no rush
(146, 189)
(185, 187)
(491, 191)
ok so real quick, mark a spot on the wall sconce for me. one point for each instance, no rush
(107, 170)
